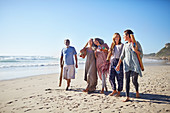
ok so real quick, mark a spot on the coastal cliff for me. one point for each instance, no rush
(163, 54)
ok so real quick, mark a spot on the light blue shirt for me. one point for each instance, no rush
(129, 58)
(68, 54)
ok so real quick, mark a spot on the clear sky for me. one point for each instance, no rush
(39, 27)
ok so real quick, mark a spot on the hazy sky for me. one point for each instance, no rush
(39, 27)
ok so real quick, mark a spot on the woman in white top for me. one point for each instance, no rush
(117, 50)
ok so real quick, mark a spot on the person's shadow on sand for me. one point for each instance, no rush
(153, 98)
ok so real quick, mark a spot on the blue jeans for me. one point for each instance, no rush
(114, 74)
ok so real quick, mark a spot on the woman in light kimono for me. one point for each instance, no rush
(101, 63)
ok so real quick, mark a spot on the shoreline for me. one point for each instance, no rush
(22, 72)
(145, 65)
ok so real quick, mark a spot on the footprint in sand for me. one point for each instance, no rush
(91, 110)
(106, 107)
(10, 102)
(127, 104)
(48, 108)
(167, 110)
(24, 107)
(85, 100)
(76, 106)
(119, 110)
(48, 92)
(18, 88)
(27, 110)
(69, 96)
(41, 108)
(121, 106)
(39, 95)
(48, 89)
(51, 98)
(32, 96)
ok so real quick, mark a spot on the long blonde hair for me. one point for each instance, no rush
(114, 36)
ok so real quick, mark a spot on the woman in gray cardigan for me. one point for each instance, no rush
(130, 63)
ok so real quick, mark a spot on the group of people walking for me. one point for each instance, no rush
(124, 61)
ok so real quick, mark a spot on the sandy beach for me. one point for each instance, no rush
(41, 94)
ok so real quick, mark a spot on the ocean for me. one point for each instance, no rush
(12, 67)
